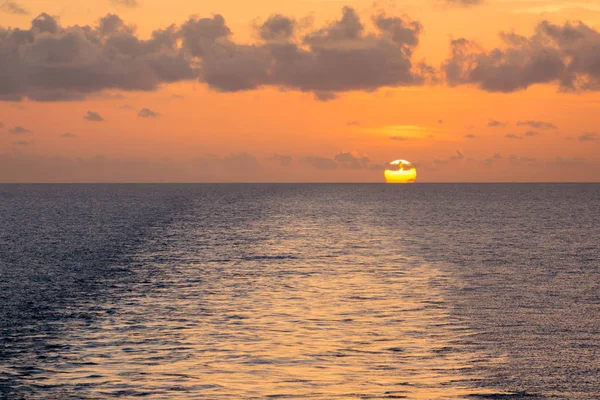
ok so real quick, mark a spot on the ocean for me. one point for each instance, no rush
(295, 291)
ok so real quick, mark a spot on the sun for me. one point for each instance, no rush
(400, 171)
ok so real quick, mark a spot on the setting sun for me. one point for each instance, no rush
(400, 171)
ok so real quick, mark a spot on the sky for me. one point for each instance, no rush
(299, 91)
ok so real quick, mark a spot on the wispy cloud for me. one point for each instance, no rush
(12, 7)
(19, 130)
(589, 137)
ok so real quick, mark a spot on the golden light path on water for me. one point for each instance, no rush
(400, 171)
(295, 315)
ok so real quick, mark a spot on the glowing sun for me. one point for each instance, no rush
(400, 171)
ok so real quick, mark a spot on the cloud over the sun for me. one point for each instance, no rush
(50, 62)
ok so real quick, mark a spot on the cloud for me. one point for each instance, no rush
(516, 160)
(342, 160)
(93, 116)
(537, 124)
(513, 136)
(350, 161)
(147, 113)
(353, 123)
(126, 3)
(320, 162)
(560, 162)
(325, 96)
(49, 62)
(13, 7)
(19, 130)
(589, 137)
(458, 156)
(277, 27)
(465, 3)
(564, 55)
(1, 125)
(317, 62)
(440, 121)
(470, 136)
(495, 124)
(22, 167)
(532, 133)
(23, 142)
(68, 135)
(399, 138)
(283, 160)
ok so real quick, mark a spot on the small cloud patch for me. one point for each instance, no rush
(537, 124)
(589, 137)
(93, 117)
(19, 130)
(513, 136)
(496, 124)
(147, 113)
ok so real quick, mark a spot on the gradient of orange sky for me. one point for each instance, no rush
(431, 123)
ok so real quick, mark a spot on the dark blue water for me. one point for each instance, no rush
(300, 291)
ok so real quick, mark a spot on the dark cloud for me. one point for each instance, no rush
(49, 62)
(13, 7)
(1, 125)
(19, 130)
(440, 121)
(317, 63)
(564, 55)
(283, 160)
(589, 137)
(495, 124)
(399, 138)
(93, 116)
(353, 123)
(531, 133)
(147, 113)
(68, 135)
(126, 3)
(537, 124)
(23, 142)
(470, 136)
(277, 27)
(513, 136)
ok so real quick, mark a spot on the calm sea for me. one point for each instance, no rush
(426, 291)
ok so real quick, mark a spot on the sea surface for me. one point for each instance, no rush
(325, 291)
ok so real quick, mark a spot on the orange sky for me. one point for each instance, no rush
(280, 130)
